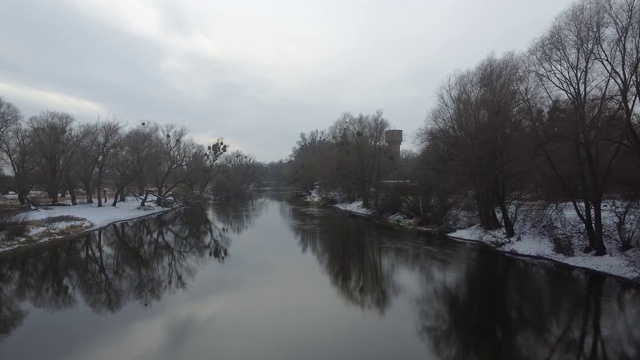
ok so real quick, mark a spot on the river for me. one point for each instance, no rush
(271, 279)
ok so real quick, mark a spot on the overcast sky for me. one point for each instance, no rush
(254, 72)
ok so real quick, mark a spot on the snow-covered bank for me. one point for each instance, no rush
(535, 238)
(615, 262)
(56, 222)
(355, 207)
(556, 233)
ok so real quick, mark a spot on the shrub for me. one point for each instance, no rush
(389, 203)
(62, 218)
(626, 223)
(556, 226)
(562, 244)
(13, 224)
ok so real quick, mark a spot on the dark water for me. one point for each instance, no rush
(268, 280)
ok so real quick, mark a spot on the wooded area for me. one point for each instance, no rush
(557, 123)
(51, 152)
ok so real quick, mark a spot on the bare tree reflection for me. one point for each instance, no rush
(130, 261)
(11, 314)
(501, 308)
(45, 280)
(476, 304)
(237, 216)
(351, 256)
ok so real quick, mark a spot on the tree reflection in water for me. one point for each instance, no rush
(136, 261)
(467, 303)
(475, 304)
(502, 308)
(237, 216)
(349, 253)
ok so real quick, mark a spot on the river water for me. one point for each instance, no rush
(266, 279)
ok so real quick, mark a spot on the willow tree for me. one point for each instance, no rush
(477, 127)
(583, 111)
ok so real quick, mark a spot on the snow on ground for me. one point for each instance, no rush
(534, 238)
(98, 216)
(614, 262)
(314, 197)
(54, 222)
(354, 207)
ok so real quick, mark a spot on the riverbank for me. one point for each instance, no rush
(51, 223)
(624, 264)
(534, 240)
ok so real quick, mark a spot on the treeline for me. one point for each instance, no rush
(557, 122)
(52, 152)
(350, 158)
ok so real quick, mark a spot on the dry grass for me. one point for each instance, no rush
(15, 226)
(62, 218)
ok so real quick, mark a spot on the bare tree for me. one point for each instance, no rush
(86, 164)
(132, 159)
(578, 88)
(9, 116)
(107, 143)
(477, 132)
(618, 52)
(311, 160)
(362, 154)
(170, 156)
(54, 139)
(17, 148)
(201, 167)
(239, 172)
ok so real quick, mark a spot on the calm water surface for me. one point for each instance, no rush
(266, 279)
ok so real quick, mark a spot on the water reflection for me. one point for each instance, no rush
(137, 261)
(501, 308)
(238, 216)
(350, 255)
(476, 304)
(406, 295)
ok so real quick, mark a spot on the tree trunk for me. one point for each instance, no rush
(159, 196)
(598, 233)
(508, 224)
(54, 198)
(26, 199)
(72, 194)
(486, 212)
(115, 198)
(23, 194)
(365, 200)
(144, 200)
(588, 225)
(87, 187)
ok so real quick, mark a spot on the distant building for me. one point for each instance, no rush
(393, 139)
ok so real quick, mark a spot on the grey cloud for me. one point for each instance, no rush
(385, 55)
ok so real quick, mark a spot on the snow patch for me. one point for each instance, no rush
(53, 222)
(355, 207)
(531, 240)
